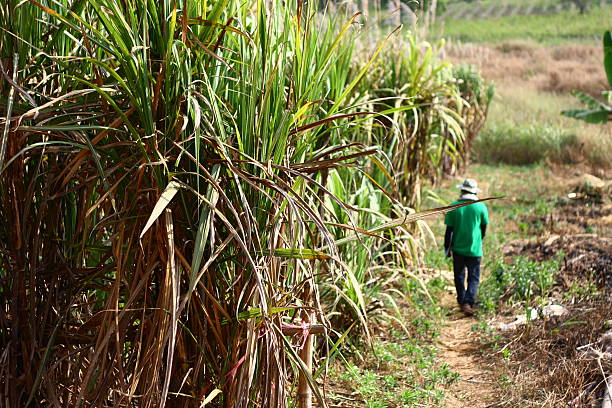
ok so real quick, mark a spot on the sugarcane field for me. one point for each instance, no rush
(300, 204)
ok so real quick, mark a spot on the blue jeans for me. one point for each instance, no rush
(472, 264)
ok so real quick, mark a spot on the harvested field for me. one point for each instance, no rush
(562, 68)
(568, 231)
(585, 256)
(559, 361)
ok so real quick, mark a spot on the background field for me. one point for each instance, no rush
(536, 53)
(559, 28)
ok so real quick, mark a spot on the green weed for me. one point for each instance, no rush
(408, 373)
(581, 291)
(524, 282)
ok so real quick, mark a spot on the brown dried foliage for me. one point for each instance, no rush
(553, 69)
(547, 369)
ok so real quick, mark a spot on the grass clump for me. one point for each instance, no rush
(520, 145)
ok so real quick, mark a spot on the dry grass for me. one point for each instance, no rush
(553, 69)
(533, 84)
(546, 369)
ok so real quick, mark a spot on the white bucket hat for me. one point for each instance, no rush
(470, 186)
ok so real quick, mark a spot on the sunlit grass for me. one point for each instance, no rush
(564, 27)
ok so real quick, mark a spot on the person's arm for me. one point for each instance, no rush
(448, 240)
(484, 222)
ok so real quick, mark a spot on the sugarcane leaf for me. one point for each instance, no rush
(255, 312)
(39, 145)
(334, 349)
(171, 189)
(296, 253)
(304, 370)
(210, 397)
(406, 219)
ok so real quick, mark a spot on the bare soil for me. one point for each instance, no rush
(460, 348)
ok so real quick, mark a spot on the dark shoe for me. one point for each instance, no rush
(467, 310)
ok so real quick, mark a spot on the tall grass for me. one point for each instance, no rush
(523, 144)
(524, 126)
(182, 181)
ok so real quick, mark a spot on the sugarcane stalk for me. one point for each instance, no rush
(304, 391)
(9, 111)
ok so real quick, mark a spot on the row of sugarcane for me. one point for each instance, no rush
(188, 189)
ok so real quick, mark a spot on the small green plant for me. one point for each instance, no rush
(580, 291)
(532, 278)
(425, 327)
(412, 375)
(505, 381)
(525, 281)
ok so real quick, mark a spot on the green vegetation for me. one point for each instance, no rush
(185, 182)
(524, 127)
(404, 368)
(515, 144)
(528, 190)
(422, 383)
(521, 283)
(564, 27)
(481, 9)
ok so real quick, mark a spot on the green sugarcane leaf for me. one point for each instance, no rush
(296, 253)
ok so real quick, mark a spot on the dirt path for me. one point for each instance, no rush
(460, 349)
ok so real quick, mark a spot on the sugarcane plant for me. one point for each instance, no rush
(183, 184)
(478, 95)
(428, 121)
(161, 170)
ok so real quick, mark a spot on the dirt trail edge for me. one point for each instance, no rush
(460, 349)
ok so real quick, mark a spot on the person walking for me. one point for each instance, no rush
(466, 228)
